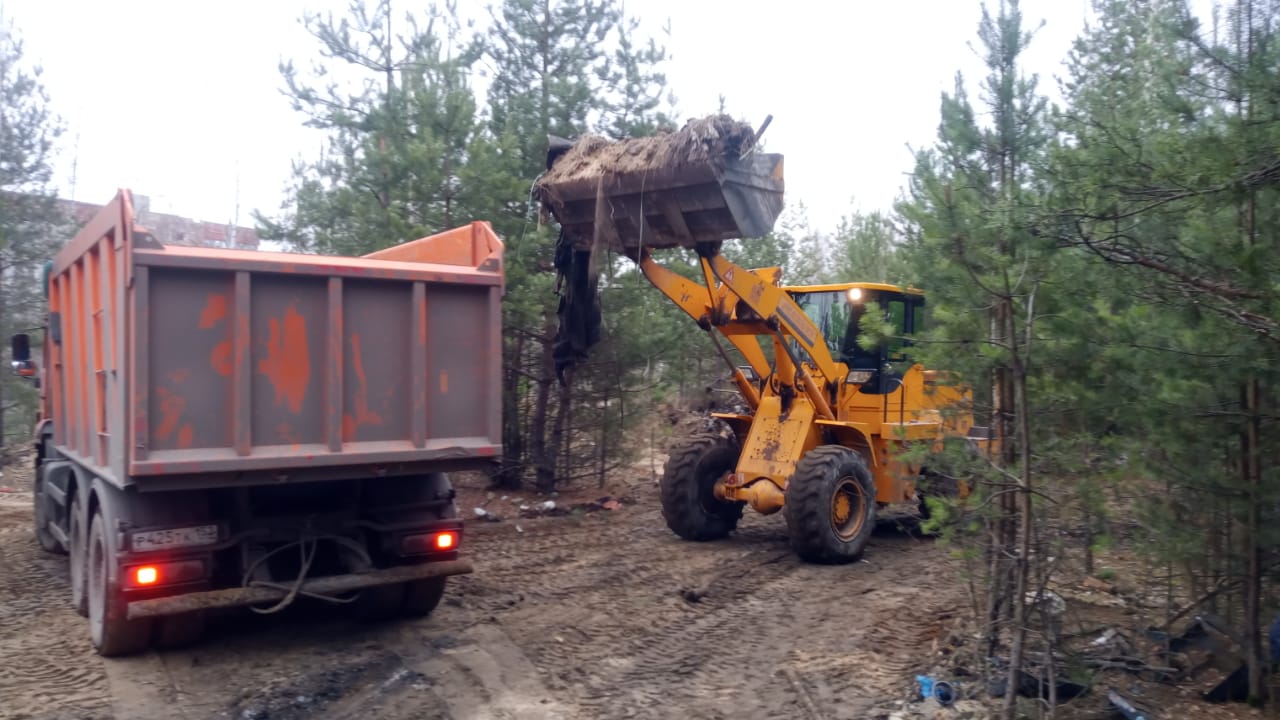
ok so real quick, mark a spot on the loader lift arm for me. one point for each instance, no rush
(714, 305)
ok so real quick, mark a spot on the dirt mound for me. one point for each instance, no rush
(712, 140)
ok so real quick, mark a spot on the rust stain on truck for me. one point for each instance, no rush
(171, 407)
(215, 309)
(363, 415)
(288, 363)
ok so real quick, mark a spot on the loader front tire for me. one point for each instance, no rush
(689, 504)
(830, 505)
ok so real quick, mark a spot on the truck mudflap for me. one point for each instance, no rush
(242, 596)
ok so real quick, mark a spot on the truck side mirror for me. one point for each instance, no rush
(20, 356)
(21, 347)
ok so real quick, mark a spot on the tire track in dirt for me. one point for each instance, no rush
(732, 649)
(607, 615)
(49, 667)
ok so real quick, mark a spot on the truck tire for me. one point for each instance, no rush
(79, 540)
(416, 598)
(379, 603)
(830, 505)
(180, 631)
(47, 541)
(689, 505)
(111, 632)
(422, 596)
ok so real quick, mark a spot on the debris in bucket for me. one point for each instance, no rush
(698, 185)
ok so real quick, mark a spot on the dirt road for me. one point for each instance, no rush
(604, 615)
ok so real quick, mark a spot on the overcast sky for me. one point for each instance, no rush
(180, 100)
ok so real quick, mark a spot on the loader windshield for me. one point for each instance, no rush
(839, 315)
(837, 318)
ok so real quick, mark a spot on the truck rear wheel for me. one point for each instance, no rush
(830, 505)
(379, 603)
(47, 541)
(112, 633)
(422, 596)
(689, 504)
(179, 631)
(79, 539)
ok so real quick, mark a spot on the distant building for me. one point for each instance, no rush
(173, 229)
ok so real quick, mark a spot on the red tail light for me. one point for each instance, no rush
(427, 543)
(170, 573)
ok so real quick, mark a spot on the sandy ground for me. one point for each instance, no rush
(601, 615)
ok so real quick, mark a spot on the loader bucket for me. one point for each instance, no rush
(702, 183)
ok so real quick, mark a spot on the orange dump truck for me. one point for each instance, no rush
(228, 428)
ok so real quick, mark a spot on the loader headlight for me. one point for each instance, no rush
(858, 377)
(855, 295)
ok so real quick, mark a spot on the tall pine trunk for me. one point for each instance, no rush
(542, 456)
(512, 469)
(559, 463)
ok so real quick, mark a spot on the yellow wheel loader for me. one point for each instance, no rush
(828, 417)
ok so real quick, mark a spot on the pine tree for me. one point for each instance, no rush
(30, 221)
(1168, 175)
(866, 248)
(969, 221)
(399, 129)
(560, 68)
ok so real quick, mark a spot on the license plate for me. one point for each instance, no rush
(174, 538)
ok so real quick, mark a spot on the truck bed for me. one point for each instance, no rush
(200, 366)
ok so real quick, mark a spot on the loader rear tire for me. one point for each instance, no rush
(830, 505)
(689, 504)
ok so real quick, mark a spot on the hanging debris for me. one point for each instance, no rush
(701, 184)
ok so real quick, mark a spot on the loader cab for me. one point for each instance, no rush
(845, 312)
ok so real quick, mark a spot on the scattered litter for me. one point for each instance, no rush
(1094, 583)
(939, 690)
(1124, 706)
(519, 529)
(611, 504)
(6, 489)
(548, 506)
(481, 512)
(693, 595)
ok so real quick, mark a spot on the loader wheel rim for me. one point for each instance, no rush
(848, 506)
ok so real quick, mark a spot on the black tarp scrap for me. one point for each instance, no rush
(579, 312)
(577, 284)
